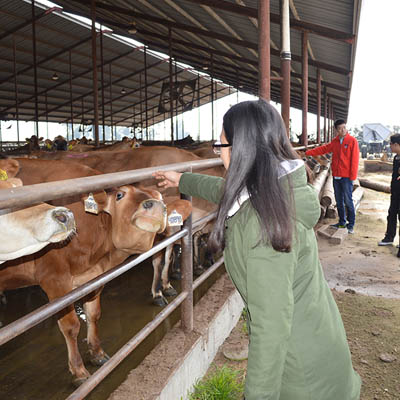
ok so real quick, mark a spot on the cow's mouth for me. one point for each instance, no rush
(151, 216)
(148, 223)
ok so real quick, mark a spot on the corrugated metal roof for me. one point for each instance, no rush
(232, 38)
(58, 38)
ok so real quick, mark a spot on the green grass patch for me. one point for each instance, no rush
(222, 384)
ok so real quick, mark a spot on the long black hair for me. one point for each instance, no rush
(256, 132)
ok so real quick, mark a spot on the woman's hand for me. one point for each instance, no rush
(167, 178)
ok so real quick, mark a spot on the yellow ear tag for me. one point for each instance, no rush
(175, 219)
(3, 175)
(48, 145)
(70, 147)
(91, 205)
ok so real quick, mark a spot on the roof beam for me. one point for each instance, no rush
(169, 24)
(64, 50)
(175, 25)
(45, 91)
(275, 18)
(105, 86)
(317, 64)
(29, 22)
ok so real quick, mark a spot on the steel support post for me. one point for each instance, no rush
(187, 274)
(285, 64)
(171, 111)
(94, 66)
(16, 86)
(264, 51)
(198, 106)
(111, 107)
(305, 88)
(70, 96)
(330, 136)
(102, 86)
(325, 115)
(212, 97)
(35, 81)
(318, 106)
(145, 92)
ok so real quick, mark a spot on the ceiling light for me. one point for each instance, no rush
(55, 76)
(123, 91)
(132, 28)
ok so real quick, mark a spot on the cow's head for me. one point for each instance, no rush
(28, 230)
(138, 215)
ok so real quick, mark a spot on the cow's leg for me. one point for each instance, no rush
(69, 326)
(198, 269)
(92, 309)
(175, 271)
(158, 298)
(3, 298)
(167, 289)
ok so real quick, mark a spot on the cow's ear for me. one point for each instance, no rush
(182, 207)
(15, 182)
(95, 202)
(10, 166)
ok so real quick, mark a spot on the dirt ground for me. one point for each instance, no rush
(371, 306)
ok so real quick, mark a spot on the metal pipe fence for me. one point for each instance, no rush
(32, 194)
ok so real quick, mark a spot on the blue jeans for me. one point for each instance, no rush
(344, 200)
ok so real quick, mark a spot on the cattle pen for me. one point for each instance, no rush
(20, 197)
(33, 194)
(87, 82)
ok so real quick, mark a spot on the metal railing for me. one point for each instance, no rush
(32, 194)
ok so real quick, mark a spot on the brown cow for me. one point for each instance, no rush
(127, 222)
(25, 231)
(152, 156)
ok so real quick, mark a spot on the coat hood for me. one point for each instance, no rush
(307, 209)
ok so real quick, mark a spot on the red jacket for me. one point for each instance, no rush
(345, 156)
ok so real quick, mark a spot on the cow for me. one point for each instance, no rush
(28, 230)
(60, 144)
(32, 145)
(127, 222)
(152, 156)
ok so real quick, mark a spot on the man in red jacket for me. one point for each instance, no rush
(345, 156)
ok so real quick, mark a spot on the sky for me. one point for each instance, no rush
(375, 94)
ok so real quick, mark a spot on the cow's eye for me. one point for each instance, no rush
(120, 195)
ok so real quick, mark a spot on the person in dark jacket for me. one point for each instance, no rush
(345, 156)
(394, 208)
(267, 210)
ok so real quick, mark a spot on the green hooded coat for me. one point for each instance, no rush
(298, 348)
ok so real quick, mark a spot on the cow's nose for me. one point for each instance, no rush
(64, 216)
(148, 204)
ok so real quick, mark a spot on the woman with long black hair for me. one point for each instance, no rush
(298, 348)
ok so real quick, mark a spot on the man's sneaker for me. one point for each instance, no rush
(350, 230)
(385, 242)
(337, 226)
